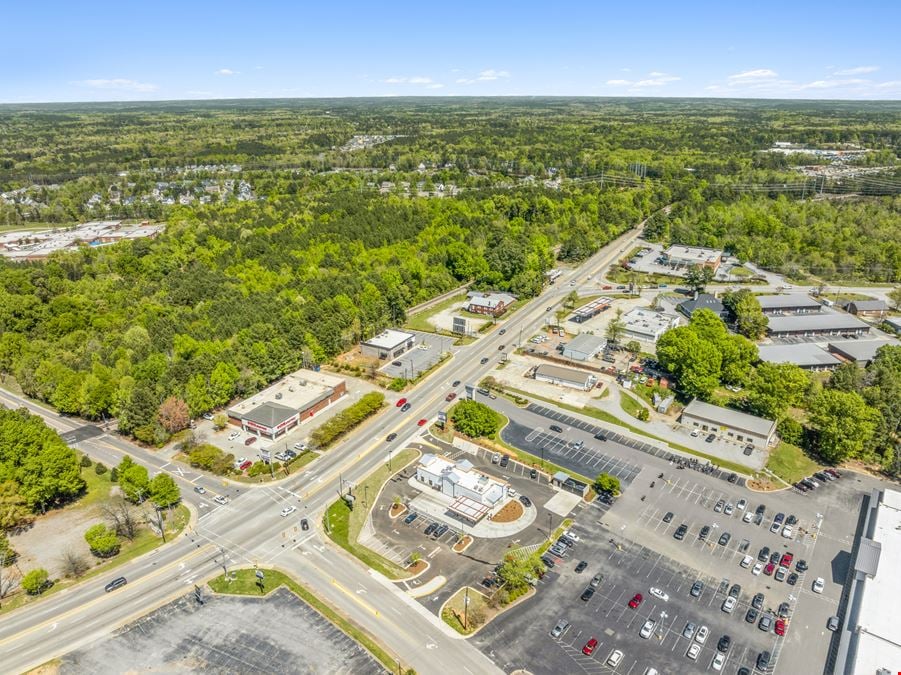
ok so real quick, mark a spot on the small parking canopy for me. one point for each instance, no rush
(469, 509)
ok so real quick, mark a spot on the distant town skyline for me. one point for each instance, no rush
(104, 51)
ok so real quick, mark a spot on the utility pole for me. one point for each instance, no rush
(465, 608)
(159, 517)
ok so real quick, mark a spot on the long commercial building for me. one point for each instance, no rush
(804, 355)
(821, 323)
(788, 303)
(577, 379)
(647, 325)
(870, 640)
(735, 425)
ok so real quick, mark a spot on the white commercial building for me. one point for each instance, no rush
(388, 345)
(685, 256)
(647, 325)
(583, 347)
(459, 479)
(567, 377)
(870, 639)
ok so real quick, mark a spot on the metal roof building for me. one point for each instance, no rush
(648, 325)
(703, 301)
(804, 355)
(820, 323)
(788, 303)
(583, 347)
(592, 309)
(861, 351)
(565, 376)
(388, 344)
(735, 425)
(869, 639)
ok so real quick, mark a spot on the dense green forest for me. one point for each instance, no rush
(233, 297)
(355, 210)
(829, 239)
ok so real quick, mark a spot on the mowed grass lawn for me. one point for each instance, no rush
(629, 404)
(343, 524)
(790, 463)
(245, 582)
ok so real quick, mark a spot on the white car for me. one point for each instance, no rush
(718, 661)
(787, 532)
(240, 461)
(746, 561)
(729, 509)
(742, 503)
(758, 568)
(208, 416)
(728, 605)
(819, 584)
(569, 534)
(233, 435)
(748, 517)
(657, 593)
(300, 446)
(693, 651)
(288, 510)
(615, 657)
(220, 499)
(702, 634)
(650, 671)
(695, 433)
(647, 629)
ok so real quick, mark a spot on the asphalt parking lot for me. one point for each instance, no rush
(628, 568)
(427, 352)
(822, 536)
(227, 634)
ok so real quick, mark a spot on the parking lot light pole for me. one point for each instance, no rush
(549, 526)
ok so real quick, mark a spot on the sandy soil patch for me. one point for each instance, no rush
(509, 512)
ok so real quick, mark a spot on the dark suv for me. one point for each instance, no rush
(115, 583)
(680, 532)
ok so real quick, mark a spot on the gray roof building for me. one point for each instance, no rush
(270, 414)
(871, 307)
(861, 351)
(583, 347)
(805, 355)
(820, 323)
(788, 303)
(703, 301)
(741, 426)
(566, 376)
(894, 323)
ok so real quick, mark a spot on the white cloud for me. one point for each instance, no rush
(488, 75)
(859, 70)
(491, 74)
(120, 84)
(758, 74)
(891, 84)
(226, 72)
(832, 84)
(654, 79)
(434, 85)
(416, 79)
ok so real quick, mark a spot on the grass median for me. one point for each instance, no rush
(344, 524)
(245, 582)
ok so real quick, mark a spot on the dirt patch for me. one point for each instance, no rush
(43, 544)
(418, 567)
(397, 510)
(463, 544)
(510, 511)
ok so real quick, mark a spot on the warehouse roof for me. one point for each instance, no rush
(788, 301)
(862, 351)
(270, 414)
(568, 374)
(821, 321)
(727, 417)
(867, 306)
(805, 354)
(585, 342)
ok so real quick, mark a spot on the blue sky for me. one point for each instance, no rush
(194, 49)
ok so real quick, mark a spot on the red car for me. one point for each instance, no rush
(400, 402)
(450, 397)
(780, 627)
(786, 560)
(636, 601)
(588, 649)
(246, 465)
(422, 423)
(768, 570)
(250, 441)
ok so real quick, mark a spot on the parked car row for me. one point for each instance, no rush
(817, 479)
